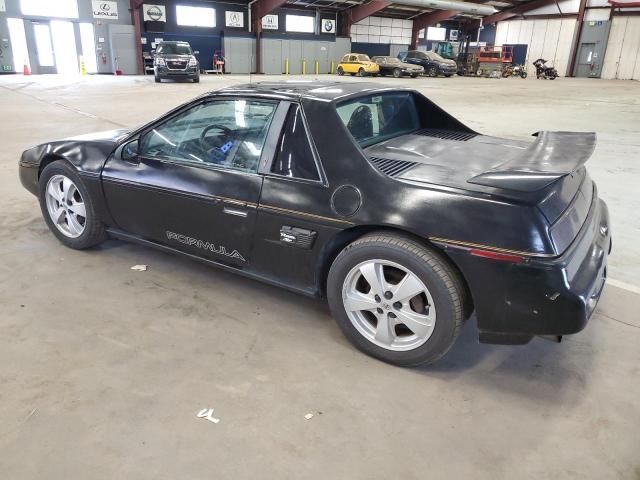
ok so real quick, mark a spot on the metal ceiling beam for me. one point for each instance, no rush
(515, 11)
(426, 20)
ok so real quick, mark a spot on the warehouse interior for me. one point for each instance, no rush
(124, 361)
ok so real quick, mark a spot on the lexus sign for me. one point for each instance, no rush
(105, 9)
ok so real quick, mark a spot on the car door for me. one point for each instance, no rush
(190, 181)
(293, 225)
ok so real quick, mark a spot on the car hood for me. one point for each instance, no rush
(447, 61)
(104, 136)
(173, 57)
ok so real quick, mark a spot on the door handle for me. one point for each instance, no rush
(235, 211)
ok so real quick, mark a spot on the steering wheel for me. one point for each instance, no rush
(228, 133)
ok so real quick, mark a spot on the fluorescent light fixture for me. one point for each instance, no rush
(436, 33)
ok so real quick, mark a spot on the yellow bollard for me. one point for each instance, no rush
(83, 68)
(304, 67)
(317, 66)
(331, 72)
(286, 66)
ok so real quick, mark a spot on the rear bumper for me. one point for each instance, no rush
(546, 297)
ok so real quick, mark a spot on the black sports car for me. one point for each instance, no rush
(393, 66)
(403, 217)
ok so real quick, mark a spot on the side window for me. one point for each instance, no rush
(294, 157)
(353, 58)
(345, 59)
(228, 133)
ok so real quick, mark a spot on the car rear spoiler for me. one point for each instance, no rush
(552, 156)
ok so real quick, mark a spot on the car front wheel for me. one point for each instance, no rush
(67, 207)
(397, 73)
(340, 71)
(396, 299)
(433, 71)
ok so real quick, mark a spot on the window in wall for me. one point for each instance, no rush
(300, 23)
(18, 44)
(87, 39)
(187, 16)
(436, 33)
(225, 133)
(50, 8)
(294, 157)
(64, 47)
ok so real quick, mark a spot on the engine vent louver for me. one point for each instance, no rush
(391, 167)
(446, 134)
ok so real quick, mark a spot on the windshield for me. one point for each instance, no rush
(363, 58)
(390, 60)
(435, 56)
(174, 49)
(374, 118)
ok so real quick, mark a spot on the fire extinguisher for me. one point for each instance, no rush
(104, 58)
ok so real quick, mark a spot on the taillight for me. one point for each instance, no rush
(502, 257)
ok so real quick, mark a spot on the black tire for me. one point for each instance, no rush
(94, 232)
(523, 74)
(340, 71)
(197, 79)
(444, 282)
(361, 72)
(449, 75)
(414, 75)
(157, 79)
(433, 71)
(552, 77)
(397, 73)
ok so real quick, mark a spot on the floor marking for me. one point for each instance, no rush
(623, 285)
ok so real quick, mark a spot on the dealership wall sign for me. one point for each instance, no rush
(106, 9)
(328, 25)
(270, 22)
(154, 13)
(234, 19)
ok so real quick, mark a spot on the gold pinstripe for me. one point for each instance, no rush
(490, 248)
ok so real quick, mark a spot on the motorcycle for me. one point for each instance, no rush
(514, 71)
(544, 71)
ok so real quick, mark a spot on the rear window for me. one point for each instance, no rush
(374, 118)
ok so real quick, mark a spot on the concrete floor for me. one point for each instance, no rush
(103, 370)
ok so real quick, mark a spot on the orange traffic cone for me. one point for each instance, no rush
(25, 69)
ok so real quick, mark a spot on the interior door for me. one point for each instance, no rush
(191, 180)
(44, 47)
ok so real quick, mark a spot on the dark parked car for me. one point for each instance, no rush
(403, 217)
(432, 63)
(175, 60)
(393, 66)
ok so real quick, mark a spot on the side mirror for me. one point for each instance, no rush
(130, 151)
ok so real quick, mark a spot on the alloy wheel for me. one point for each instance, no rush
(66, 206)
(389, 305)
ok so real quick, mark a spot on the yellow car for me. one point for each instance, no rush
(357, 63)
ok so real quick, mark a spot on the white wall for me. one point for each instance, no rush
(382, 30)
(550, 39)
(622, 58)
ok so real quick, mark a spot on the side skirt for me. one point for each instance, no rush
(127, 237)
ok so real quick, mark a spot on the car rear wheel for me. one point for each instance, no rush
(361, 72)
(397, 73)
(67, 207)
(414, 75)
(396, 299)
(433, 71)
(340, 71)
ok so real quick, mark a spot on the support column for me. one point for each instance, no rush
(575, 46)
(135, 18)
